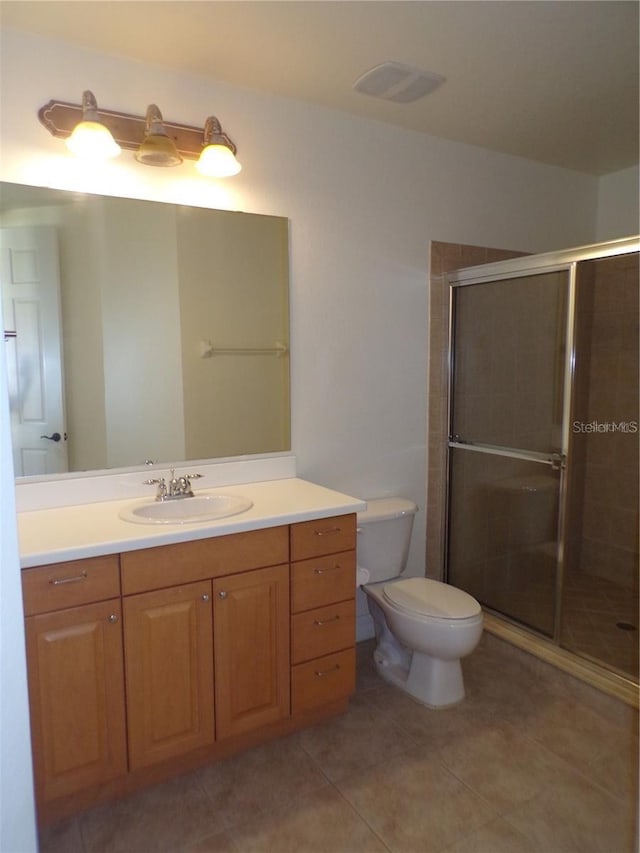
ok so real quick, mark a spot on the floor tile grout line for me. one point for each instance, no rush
(505, 814)
(569, 765)
(362, 818)
(284, 803)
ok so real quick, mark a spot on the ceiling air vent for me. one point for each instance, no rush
(394, 81)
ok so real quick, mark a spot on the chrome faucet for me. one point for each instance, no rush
(177, 487)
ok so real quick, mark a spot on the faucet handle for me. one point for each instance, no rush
(194, 476)
(162, 487)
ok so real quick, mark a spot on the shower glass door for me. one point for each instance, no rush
(510, 365)
(601, 581)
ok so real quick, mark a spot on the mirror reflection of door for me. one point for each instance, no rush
(30, 284)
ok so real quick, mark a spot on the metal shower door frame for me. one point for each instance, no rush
(527, 266)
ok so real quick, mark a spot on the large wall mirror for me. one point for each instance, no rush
(139, 331)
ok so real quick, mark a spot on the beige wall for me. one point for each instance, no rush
(82, 339)
(141, 332)
(239, 304)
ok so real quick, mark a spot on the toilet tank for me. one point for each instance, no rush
(384, 535)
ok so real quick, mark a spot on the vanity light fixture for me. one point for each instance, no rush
(91, 139)
(157, 149)
(218, 157)
(154, 141)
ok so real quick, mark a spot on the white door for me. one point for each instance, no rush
(30, 284)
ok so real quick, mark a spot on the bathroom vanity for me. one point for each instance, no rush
(181, 646)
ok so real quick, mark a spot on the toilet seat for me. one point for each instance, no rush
(436, 600)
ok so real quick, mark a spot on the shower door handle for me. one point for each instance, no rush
(558, 461)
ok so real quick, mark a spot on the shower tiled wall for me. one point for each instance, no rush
(444, 258)
(604, 527)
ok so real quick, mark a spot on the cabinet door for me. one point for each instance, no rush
(76, 694)
(169, 672)
(251, 629)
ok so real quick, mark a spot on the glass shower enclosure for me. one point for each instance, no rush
(542, 516)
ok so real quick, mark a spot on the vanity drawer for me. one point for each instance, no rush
(187, 562)
(321, 631)
(322, 580)
(322, 680)
(323, 536)
(69, 584)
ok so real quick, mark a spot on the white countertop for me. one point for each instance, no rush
(75, 532)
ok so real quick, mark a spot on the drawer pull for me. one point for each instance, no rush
(321, 673)
(113, 618)
(329, 531)
(328, 569)
(59, 581)
(321, 622)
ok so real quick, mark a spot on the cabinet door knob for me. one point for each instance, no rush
(205, 596)
(113, 618)
(222, 594)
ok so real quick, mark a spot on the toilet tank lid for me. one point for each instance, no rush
(381, 509)
(431, 598)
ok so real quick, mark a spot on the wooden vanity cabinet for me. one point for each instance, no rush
(323, 587)
(76, 681)
(221, 643)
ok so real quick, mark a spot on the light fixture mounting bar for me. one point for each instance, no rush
(128, 130)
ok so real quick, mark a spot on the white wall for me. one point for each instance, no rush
(17, 816)
(618, 204)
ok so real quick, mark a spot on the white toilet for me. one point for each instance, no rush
(423, 627)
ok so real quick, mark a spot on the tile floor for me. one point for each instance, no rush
(531, 762)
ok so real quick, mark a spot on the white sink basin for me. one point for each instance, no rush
(186, 510)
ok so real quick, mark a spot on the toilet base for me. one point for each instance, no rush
(435, 683)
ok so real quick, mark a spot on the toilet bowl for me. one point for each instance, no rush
(423, 627)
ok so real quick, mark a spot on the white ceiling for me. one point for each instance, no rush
(551, 80)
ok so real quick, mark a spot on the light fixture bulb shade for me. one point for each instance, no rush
(218, 161)
(158, 151)
(91, 140)
(157, 148)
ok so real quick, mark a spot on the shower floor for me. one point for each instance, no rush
(523, 588)
(592, 609)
